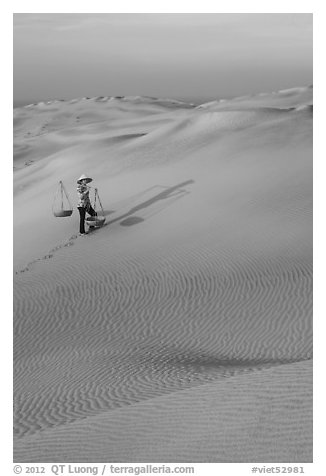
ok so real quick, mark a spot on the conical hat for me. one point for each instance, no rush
(84, 177)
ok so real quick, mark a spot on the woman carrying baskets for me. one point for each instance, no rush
(84, 203)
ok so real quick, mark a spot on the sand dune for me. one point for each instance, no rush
(281, 99)
(191, 308)
(242, 419)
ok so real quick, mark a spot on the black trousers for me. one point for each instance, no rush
(82, 214)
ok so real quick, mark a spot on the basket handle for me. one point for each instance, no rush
(99, 200)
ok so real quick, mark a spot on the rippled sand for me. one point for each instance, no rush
(181, 330)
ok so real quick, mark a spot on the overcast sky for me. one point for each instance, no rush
(190, 56)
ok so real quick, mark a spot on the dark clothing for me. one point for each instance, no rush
(82, 214)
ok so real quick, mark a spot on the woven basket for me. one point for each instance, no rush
(62, 213)
(95, 221)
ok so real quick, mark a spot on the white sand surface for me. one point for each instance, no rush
(182, 329)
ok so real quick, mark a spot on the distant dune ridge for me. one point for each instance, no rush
(182, 329)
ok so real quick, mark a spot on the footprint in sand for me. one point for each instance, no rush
(22, 270)
(47, 256)
(70, 242)
(56, 249)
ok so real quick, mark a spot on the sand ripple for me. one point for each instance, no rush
(191, 309)
(83, 348)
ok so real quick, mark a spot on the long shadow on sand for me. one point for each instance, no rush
(176, 191)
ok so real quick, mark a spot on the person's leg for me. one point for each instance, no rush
(82, 213)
